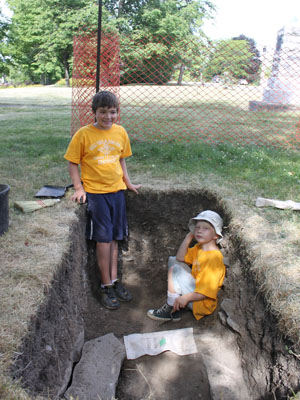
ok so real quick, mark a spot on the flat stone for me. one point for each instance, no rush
(223, 317)
(234, 325)
(73, 358)
(96, 375)
(229, 307)
(226, 261)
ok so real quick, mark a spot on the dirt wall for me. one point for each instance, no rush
(45, 359)
(158, 221)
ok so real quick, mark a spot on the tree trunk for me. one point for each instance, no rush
(67, 74)
(120, 8)
(182, 67)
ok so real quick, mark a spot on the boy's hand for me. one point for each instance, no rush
(133, 188)
(183, 248)
(180, 302)
(190, 236)
(79, 196)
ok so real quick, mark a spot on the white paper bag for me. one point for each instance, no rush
(179, 341)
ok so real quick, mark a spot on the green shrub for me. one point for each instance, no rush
(62, 82)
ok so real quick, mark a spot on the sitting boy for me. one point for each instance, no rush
(196, 288)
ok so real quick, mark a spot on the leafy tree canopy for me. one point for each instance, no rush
(159, 16)
(41, 33)
(255, 61)
(42, 42)
(4, 26)
(164, 35)
(232, 59)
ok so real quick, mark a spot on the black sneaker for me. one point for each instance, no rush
(164, 313)
(108, 297)
(121, 292)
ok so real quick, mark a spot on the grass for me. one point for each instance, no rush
(213, 125)
(33, 139)
(31, 149)
(266, 172)
(213, 114)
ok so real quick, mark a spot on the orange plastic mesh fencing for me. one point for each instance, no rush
(84, 74)
(223, 92)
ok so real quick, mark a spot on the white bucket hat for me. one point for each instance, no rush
(210, 216)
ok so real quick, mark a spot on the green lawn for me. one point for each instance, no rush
(33, 140)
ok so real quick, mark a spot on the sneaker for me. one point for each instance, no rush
(108, 297)
(121, 292)
(164, 313)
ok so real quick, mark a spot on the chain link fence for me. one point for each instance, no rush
(84, 74)
(185, 90)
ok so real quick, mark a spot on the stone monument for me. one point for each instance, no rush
(282, 91)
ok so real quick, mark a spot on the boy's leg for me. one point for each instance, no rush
(172, 294)
(121, 292)
(107, 259)
(182, 281)
(108, 224)
(172, 261)
(103, 251)
(171, 287)
(165, 312)
(114, 260)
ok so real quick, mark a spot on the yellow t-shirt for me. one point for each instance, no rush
(98, 152)
(208, 270)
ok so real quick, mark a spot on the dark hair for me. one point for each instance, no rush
(104, 99)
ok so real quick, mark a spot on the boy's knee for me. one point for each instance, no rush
(171, 261)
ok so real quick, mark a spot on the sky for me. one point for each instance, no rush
(257, 19)
(3, 7)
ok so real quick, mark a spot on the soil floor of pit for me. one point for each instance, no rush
(169, 376)
(215, 371)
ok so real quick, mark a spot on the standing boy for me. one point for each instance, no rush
(196, 288)
(100, 150)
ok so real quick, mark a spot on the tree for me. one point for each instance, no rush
(230, 59)
(41, 32)
(3, 53)
(158, 39)
(127, 12)
(255, 61)
(42, 42)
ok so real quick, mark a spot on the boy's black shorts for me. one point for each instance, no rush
(107, 218)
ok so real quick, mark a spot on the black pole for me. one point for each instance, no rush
(98, 45)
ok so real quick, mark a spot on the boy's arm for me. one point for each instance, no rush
(183, 300)
(79, 195)
(130, 186)
(183, 248)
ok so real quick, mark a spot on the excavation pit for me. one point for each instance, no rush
(241, 353)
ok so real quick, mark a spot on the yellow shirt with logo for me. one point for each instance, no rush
(208, 270)
(98, 152)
